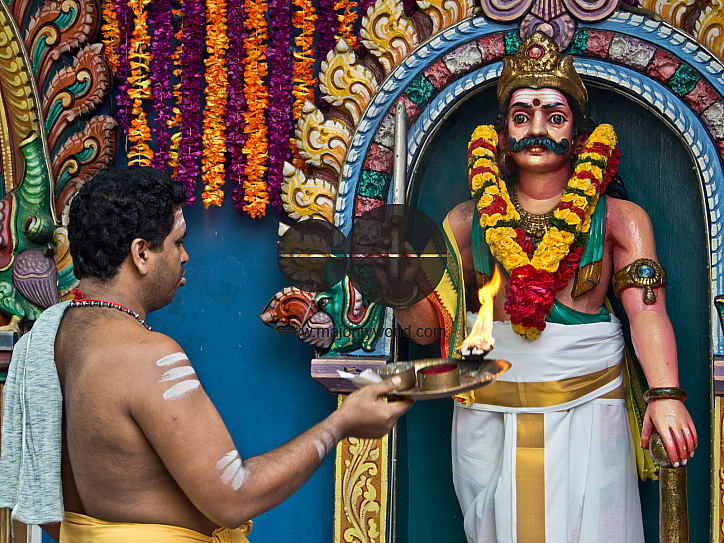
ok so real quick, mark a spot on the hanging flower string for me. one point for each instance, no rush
(139, 135)
(303, 80)
(162, 24)
(346, 19)
(536, 276)
(175, 120)
(124, 16)
(213, 171)
(280, 98)
(257, 99)
(236, 104)
(111, 34)
(189, 150)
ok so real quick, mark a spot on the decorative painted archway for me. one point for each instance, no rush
(650, 62)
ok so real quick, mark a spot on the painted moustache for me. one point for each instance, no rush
(559, 148)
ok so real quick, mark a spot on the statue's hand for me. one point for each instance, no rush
(396, 271)
(673, 422)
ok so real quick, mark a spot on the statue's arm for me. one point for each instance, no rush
(420, 322)
(652, 335)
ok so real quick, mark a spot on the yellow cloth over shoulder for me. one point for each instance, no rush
(77, 528)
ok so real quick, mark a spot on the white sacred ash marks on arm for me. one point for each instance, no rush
(233, 470)
(330, 442)
(183, 374)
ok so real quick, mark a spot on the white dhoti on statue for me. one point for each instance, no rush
(544, 455)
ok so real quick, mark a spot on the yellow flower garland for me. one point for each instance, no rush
(571, 220)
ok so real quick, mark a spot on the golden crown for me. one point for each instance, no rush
(539, 65)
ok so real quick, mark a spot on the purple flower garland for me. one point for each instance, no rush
(161, 79)
(125, 28)
(280, 97)
(192, 82)
(327, 26)
(236, 104)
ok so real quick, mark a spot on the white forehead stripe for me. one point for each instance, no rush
(546, 96)
(174, 358)
(179, 389)
(177, 373)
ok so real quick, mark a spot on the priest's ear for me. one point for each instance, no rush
(139, 255)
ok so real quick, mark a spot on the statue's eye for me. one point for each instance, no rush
(519, 118)
(557, 118)
(321, 304)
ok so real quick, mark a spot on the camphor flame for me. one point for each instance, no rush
(481, 337)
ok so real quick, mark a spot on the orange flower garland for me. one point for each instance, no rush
(214, 137)
(176, 120)
(111, 34)
(140, 153)
(303, 79)
(257, 98)
(346, 21)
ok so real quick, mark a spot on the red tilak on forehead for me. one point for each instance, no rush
(536, 102)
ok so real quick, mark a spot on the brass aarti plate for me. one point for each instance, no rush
(472, 375)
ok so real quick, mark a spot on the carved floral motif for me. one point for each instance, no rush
(345, 83)
(322, 142)
(444, 13)
(387, 33)
(306, 197)
(362, 488)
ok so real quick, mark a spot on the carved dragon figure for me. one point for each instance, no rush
(52, 79)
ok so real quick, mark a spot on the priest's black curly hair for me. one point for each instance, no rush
(115, 207)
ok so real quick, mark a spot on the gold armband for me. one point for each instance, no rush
(644, 273)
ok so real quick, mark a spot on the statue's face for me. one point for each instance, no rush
(540, 128)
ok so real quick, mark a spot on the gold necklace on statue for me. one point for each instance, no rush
(534, 225)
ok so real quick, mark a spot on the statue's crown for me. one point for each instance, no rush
(539, 65)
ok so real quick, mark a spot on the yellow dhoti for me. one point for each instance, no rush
(77, 528)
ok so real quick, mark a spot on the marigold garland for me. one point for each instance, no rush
(236, 106)
(111, 34)
(280, 97)
(140, 153)
(346, 19)
(162, 23)
(257, 98)
(214, 137)
(175, 119)
(303, 80)
(189, 148)
(537, 276)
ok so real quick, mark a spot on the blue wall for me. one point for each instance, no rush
(259, 381)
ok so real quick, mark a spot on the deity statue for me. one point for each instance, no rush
(545, 453)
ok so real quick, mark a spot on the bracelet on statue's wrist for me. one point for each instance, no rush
(665, 393)
(404, 303)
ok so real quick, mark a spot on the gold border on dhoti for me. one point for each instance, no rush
(545, 393)
(530, 486)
